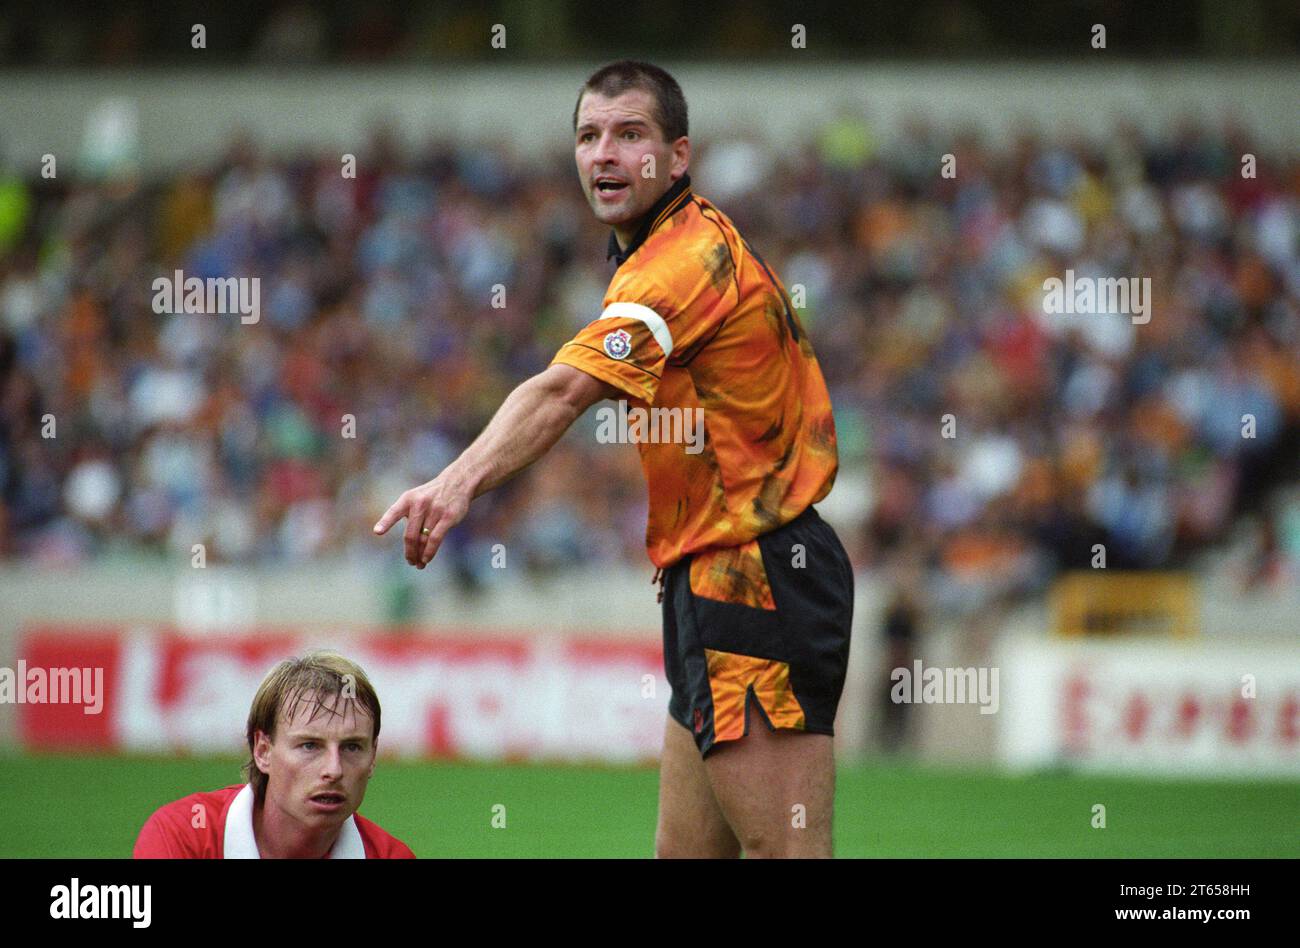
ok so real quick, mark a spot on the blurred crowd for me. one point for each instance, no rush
(379, 353)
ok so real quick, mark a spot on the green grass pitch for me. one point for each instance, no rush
(65, 806)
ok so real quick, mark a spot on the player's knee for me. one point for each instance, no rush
(781, 843)
(762, 841)
(670, 845)
(764, 846)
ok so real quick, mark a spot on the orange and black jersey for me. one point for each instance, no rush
(693, 318)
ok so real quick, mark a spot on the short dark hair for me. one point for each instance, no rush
(617, 78)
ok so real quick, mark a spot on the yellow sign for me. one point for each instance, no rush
(1109, 604)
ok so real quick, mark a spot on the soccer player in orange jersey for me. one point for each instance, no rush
(757, 589)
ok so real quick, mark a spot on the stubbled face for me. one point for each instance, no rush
(615, 138)
(319, 763)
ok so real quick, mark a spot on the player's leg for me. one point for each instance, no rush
(777, 789)
(691, 824)
(775, 677)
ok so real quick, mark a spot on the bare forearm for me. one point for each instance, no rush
(529, 421)
(527, 424)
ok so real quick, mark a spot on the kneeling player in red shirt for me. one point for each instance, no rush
(313, 731)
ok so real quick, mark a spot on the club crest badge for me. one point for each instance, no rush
(618, 344)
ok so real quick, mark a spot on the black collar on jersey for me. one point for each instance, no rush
(668, 204)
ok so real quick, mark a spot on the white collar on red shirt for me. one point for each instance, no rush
(240, 843)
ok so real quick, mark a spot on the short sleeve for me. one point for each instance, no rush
(643, 323)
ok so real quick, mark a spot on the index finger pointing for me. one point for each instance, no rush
(390, 517)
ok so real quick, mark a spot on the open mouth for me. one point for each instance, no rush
(610, 186)
(328, 798)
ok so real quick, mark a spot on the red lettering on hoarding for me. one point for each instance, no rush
(1137, 712)
(1241, 723)
(1288, 729)
(1189, 712)
(440, 741)
(449, 696)
(1074, 713)
(67, 725)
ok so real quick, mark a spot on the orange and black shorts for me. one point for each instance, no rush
(765, 624)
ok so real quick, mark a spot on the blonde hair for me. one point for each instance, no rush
(316, 676)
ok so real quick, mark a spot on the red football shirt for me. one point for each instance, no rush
(219, 825)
